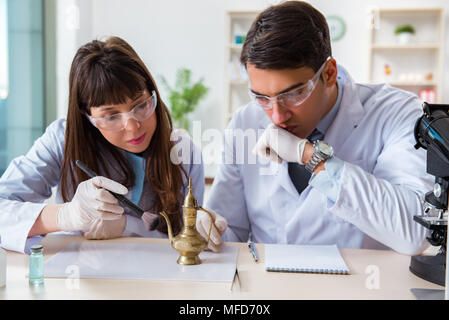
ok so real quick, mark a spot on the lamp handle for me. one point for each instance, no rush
(211, 221)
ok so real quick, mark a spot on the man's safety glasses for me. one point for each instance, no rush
(292, 98)
(117, 122)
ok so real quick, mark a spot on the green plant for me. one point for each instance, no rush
(404, 28)
(184, 96)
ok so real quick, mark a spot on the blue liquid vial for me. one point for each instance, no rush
(37, 265)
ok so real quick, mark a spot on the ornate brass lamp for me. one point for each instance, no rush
(189, 243)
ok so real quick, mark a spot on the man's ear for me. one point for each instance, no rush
(330, 73)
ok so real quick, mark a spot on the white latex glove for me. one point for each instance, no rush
(278, 144)
(102, 229)
(91, 201)
(218, 228)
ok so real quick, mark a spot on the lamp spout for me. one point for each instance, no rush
(170, 230)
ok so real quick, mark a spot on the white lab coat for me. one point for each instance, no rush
(29, 179)
(382, 180)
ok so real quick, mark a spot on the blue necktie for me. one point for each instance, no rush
(298, 173)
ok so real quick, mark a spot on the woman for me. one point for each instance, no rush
(118, 126)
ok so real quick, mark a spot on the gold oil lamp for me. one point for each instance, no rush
(189, 243)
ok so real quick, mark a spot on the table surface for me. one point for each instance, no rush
(375, 274)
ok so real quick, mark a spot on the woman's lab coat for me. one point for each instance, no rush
(29, 179)
(381, 182)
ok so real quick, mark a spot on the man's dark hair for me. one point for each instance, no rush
(287, 36)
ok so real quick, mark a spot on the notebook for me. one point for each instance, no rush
(304, 258)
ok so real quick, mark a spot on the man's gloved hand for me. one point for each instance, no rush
(278, 144)
(218, 228)
(101, 229)
(92, 201)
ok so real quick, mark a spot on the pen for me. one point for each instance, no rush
(119, 197)
(253, 250)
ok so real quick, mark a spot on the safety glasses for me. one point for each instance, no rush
(117, 122)
(292, 98)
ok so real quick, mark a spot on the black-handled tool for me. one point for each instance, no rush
(119, 197)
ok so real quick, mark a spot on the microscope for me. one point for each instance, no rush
(432, 134)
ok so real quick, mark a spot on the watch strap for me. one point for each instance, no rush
(316, 158)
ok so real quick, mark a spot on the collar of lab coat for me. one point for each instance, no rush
(348, 117)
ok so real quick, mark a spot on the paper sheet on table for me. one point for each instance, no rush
(138, 261)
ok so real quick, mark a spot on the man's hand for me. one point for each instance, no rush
(278, 144)
(219, 225)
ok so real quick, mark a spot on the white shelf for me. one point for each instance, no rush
(236, 83)
(413, 62)
(410, 10)
(413, 84)
(236, 47)
(405, 47)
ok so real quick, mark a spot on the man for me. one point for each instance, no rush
(360, 188)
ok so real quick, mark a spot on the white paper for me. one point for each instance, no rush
(139, 261)
(304, 258)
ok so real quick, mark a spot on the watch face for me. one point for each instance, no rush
(325, 148)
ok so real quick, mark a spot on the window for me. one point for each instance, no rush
(22, 85)
(4, 80)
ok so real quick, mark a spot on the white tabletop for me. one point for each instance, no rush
(375, 274)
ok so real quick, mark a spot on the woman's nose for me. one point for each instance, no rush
(132, 124)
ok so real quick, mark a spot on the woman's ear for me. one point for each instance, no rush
(330, 73)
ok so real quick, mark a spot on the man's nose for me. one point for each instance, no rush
(280, 114)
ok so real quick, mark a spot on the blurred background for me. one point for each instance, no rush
(195, 45)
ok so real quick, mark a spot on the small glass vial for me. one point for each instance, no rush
(37, 265)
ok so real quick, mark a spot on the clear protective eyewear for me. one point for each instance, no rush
(292, 98)
(117, 122)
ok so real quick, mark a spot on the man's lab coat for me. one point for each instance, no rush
(380, 188)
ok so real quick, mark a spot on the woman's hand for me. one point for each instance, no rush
(92, 201)
(102, 229)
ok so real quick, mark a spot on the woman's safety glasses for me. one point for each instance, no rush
(117, 122)
(292, 98)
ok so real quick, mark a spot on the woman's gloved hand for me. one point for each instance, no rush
(101, 229)
(92, 201)
(218, 228)
(278, 144)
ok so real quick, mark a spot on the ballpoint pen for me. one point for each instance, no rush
(253, 250)
(119, 197)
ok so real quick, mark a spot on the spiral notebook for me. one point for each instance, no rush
(304, 258)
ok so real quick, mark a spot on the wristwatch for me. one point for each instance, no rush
(321, 152)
